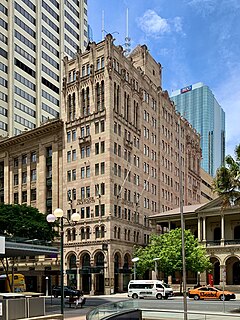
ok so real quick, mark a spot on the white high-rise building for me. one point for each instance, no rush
(35, 35)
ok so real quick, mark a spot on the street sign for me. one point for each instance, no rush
(2, 245)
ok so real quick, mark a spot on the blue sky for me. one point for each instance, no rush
(194, 40)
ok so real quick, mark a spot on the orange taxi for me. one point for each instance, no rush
(208, 292)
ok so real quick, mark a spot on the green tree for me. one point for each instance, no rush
(227, 181)
(168, 248)
(23, 222)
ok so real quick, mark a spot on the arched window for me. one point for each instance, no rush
(69, 108)
(82, 232)
(87, 233)
(83, 103)
(87, 101)
(99, 259)
(116, 262)
(126, 262)
(115, 232)
(102, 232)
(129, 235)
(102, 94)
(72, 262)
(73, 106)
(73, 234)
(69, 235)
(97, 232)
(86, 260)
(119, 233)
(98, 95)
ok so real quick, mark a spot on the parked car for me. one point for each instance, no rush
(208, 292)
(68, 291)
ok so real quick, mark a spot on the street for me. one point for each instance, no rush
(175, 303)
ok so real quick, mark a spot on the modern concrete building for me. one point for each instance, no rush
(116, 157)
(198, 105)
(217, 229)
(34, 38)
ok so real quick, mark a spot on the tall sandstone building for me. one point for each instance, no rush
(116, 157)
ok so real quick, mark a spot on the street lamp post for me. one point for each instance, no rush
(156, 266)
(75, 217)
(135, 260)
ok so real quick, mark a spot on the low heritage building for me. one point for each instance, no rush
(218, 229)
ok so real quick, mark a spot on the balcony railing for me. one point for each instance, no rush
(86, 139)
(211, 243)
(230, 242)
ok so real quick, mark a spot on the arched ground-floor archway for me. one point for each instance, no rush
(233, 271)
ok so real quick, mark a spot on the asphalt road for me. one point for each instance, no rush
(175, 303)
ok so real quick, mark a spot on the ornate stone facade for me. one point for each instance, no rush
(115, 157)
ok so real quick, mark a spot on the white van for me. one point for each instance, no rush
(149, 288)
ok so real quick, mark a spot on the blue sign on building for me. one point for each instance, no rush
(186, 89)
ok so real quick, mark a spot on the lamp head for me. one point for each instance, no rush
(75, 217)
(136, 259)
(51, 218)
(58, 213)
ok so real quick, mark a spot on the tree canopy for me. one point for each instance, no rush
(227, 181)
(25, 222)
(168, 248)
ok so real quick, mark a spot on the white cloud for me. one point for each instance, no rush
(177, 21)
(152, 24)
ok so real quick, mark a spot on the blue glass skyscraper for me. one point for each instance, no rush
(198, 105)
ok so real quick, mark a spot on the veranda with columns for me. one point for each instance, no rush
(217, 229)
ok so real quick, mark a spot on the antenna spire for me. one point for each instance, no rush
(127, 38)
(103, 25)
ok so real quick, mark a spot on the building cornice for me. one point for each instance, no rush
(51, 126)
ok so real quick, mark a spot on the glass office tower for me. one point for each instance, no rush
(35, 35)
(198, 105)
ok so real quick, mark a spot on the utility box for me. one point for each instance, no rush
(21, 305)
(12, 306)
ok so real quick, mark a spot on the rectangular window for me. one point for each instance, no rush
(102, 167)
(74, 155)
(24, 177)
(24, 196)
(15, 180)
(33, 175)
(96, 148)
(74, 175)
(88, 151)
(82, 173)
(33, 195)
(69, 176)
(88, 192)
(102, 146)
(96, 169)
(69, 156)
(88, 172)
(97, 211)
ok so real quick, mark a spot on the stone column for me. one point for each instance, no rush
(199, 229)
(204, 229)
